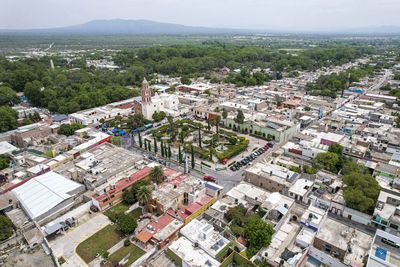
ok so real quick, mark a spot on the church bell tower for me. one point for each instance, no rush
(145, 92)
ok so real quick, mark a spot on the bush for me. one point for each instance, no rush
(234, 149)
(69, 129)
(127, 242)
(6, 228)
(309, 170)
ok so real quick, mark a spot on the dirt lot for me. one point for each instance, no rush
(37, 258)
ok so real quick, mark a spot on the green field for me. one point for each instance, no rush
(135, 253)
(100, 241)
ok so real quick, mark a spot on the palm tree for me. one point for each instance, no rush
(157, 174)
(143, 194)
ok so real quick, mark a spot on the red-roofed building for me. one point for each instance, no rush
(193, 210)
(113, 194)
(159, 232)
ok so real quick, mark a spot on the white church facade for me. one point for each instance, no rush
(159, 102)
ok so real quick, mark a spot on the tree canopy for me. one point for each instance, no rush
(6, 228)
(159, 116)
(258, 234)
(328, 161)
(157, 174)
(127, 223)
(8, 119)
(8, 96)
(361, 191)
(69, 129)
(239, 117)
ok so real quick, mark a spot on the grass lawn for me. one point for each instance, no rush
(137, 212)
(119, 208)
(102, 240)
(135, 253)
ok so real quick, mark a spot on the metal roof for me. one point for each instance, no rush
(44, 192)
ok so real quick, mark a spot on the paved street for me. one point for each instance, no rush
(65, 245)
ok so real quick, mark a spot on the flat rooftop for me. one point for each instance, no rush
(342, 236)
(194, 256)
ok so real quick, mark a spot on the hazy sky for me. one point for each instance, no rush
(260, 14)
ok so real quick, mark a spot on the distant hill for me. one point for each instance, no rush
(130, 27)
(148, 27)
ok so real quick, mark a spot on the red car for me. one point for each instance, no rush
(209, 178)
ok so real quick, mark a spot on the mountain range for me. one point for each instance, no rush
(148, 27)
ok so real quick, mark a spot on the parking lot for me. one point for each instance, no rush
(64, 246)
(247, 160)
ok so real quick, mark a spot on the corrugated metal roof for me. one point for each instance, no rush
(44, 192)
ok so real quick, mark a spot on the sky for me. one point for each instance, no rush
(250, 14)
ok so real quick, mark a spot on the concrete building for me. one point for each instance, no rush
(204, 235)
(384, 250)
(110, 194)
(300, 190)
(271, 177)
(387, 211)
(107, 112)
(199, 245)
(266, 127)
(338, 243)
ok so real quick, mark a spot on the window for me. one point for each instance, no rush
(394, 226)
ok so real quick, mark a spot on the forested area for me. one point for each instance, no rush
(332, 85)
(69, 87)
(198, 59)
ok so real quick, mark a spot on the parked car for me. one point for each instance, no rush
(94, 208)
(209, 178)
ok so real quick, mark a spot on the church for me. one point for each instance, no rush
(159, 102)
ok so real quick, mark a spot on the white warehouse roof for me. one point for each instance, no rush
(44, 192)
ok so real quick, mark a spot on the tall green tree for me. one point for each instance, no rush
(200, 137)
(224, 114)
(361, 191)
(239, 117)
(327, 161)
(127, 224)
(33, 91)
(8, 96)
(336, 148)
(144, 194)
(157, 174)
(8, 119)
(140, 140)
(179, 154)
(258, 234)
(192, 154)
(162, 148)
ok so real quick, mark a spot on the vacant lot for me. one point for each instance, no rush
(133, 251)
(100, 241)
